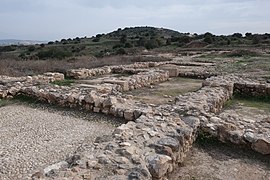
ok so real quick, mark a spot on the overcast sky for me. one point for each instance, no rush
(56, 19)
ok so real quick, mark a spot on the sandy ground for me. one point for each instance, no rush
(32, 138)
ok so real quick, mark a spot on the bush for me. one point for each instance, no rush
(31, 48)
(151, 44)
(241, 53)
(118, 46)
(256, 39)
(96, 39)
(54, 53)
(121, 51)
(7, 48)
(208, 39)
(128, 45)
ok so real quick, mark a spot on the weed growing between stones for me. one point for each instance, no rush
(205, 139)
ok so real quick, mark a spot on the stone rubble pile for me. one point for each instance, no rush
(11, 86)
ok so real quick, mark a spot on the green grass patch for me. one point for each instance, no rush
(261, 102)
(17, 100)
(66, 82)
(4, 102)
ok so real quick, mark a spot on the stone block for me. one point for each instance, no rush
(123, 84)
(129, 115)
(96, 109)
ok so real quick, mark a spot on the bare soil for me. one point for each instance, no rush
(165, 92)
(214, 160)
(211, 159)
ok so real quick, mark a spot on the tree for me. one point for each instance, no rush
(142, 41)
(228, 42)
(207, 34)
(123, 39)
(208, 39)
(151, 44)
(256, 39)
(184, 39)
(237, 35)
(121, 51)
(128, 45)
(168, 42)
(248, 35)
(96, 39)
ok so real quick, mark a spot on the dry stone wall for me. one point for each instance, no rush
(156, 138)
(252, 89)
(207, 103)
(11, 86)
(122, 69)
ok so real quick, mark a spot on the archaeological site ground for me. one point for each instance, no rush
(195, 111)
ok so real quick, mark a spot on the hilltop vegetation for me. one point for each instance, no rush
(130, 41)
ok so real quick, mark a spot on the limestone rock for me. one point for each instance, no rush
(262, 146)
(158, 165)
(170, 142)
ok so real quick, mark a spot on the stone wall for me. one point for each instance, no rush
(156, 138)
(100, 100)
(196, 75)
(11, 86)
(231, 128)
(252, 89)
(121, 69)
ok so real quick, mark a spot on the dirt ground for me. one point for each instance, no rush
(165, 92)
(210, 159)
(216, 161)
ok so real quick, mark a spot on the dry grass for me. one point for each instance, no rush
(15, 67)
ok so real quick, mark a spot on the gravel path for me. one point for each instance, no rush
(32, 138)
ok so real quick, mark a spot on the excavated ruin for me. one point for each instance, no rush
(156, 138)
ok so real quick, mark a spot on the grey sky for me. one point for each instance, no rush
(56, 19)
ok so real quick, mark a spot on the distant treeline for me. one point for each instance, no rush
(129, 41)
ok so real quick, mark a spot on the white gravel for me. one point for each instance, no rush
(31, 138)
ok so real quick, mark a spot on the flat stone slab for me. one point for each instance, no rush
(33, 138)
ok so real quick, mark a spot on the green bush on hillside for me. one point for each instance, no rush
(54, 53)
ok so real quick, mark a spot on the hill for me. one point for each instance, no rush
(144, 31)
(132, 40)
